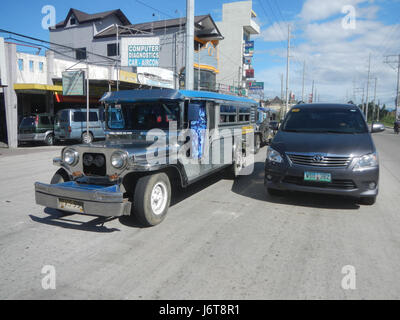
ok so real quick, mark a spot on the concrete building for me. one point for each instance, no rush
(238, 25)
(101, 32)
(33, 83)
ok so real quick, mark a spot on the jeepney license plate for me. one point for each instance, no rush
(317, 176)
(70, 205)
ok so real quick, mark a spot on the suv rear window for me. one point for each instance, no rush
(28, 122)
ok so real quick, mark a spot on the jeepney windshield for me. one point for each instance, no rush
(142, 116)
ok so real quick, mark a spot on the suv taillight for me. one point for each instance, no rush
(37, 120)
(69, 129)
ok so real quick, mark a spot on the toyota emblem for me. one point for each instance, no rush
(318, 158)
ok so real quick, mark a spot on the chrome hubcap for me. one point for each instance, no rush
(159, 198)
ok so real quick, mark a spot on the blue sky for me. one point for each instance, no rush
(336, 59)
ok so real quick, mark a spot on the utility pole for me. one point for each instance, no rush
(373, 110)
(282, 86)
(302, 90)
(369, 71)
(312, 92)
(287, 72)
(189, 71)
(390, 62)
(379, 108)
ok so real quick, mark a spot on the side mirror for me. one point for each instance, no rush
(377, 127)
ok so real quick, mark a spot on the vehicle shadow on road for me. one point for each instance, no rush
(252, 186)
(63, 220)
(178, 194)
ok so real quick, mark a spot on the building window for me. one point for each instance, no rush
(41, 66)
(112, 50)
(31, 66)
(81, 54)
(21, 64)
(72, 22)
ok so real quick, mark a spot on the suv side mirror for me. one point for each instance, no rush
(377, 127)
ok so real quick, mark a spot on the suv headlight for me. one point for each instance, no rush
(274, 156)
(365, 162)
(70, 157)
(118, 160)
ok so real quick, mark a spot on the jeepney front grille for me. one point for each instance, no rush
(93, 168)
(319, 160)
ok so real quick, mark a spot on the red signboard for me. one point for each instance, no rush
(250, 73)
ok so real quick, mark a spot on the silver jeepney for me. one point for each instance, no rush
(147, 140)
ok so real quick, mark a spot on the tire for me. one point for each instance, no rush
(369, 201)
(87, 138)
(49, 141)
(257, 143)
(275, 192)
(59, 177)
(147, 209)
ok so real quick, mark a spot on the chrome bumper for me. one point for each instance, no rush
(94, 200)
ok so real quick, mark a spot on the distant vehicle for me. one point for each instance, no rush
(70, 124)
(274, 127)
(262, 129)
(396, 127)
(37, 128)
(324, 148)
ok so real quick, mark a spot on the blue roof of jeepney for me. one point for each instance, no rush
(167, 94)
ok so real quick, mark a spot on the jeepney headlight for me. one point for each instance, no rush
(118, 159)
(70, 157)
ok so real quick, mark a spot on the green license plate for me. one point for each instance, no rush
(317, 176)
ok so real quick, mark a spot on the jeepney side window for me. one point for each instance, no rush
(228, 114)
(244, 114)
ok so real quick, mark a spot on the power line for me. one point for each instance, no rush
(152, 8)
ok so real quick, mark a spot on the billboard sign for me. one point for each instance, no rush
(73, 83)
(250, 73)
(254, 85)
(247, 61)
(140, 52)
(249, 48)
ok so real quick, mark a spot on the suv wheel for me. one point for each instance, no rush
(152, 199)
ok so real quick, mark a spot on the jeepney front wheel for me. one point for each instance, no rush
(152, 199)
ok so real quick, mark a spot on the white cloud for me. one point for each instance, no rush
(314, 10)
(275, 33)
(335, 57)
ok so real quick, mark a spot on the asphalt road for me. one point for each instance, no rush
(221, 240)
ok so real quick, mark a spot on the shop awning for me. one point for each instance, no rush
(36, 87)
